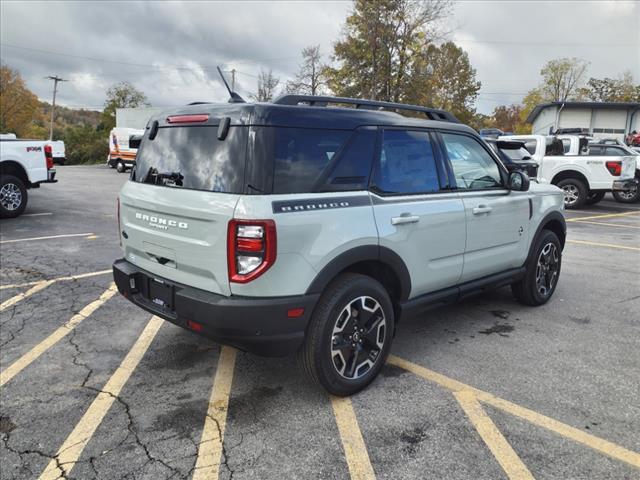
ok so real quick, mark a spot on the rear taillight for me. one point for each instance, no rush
(118, 215)
(251, 248)
(614, 167)
(48, 155)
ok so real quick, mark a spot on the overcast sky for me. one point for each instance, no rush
(169, 50)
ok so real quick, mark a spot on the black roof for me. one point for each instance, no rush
(294, 112)
(610, 105)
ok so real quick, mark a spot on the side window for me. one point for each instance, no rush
(406, 164)
(472, 165)
(614, 152)
(595, 151)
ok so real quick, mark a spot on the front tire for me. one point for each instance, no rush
(542, 271)
(575, 192)
(349, 336)
(594, 197)
(13, 196)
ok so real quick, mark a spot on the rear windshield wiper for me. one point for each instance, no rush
(163, 178)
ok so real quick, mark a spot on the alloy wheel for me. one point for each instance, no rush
(571, 194)
(547, 269)
(10, 196)
(358, 337)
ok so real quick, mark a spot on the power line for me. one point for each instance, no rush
(55, 79)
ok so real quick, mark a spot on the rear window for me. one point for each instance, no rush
(516, 154)
(192, 157)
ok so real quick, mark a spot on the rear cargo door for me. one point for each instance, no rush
(176, 208)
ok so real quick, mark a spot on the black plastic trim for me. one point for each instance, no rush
(320, 203)
(555, 215)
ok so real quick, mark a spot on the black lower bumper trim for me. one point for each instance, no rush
(255, 324)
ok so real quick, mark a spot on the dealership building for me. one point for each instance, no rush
(600, 119)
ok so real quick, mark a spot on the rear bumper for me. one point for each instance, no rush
(620, 185)
(257, 325)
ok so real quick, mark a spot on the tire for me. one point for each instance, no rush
(330, 326)
(594, 198)
(120, 167)
(529, 291)
(629, 196)
(575, 192)
(13, 196)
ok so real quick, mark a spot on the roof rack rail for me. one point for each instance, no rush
(323, 101)
(198, 103)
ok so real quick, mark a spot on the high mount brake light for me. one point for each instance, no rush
(119, 225)
(48, 155)
(614, 167)
(251, 248)
(195, 118)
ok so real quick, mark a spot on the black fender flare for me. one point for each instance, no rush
(551, 216)
(361, 254)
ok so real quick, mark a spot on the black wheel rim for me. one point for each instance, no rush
(629, 194)
(358, 337)
(10, 196)
(547, 269)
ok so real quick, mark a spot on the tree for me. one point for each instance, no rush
(18, 105)
(620, 89)
(381, 43)
(121, 95)
(267, 84)
(310, 77)
(444, 78)
(507, 118)
(562, 79)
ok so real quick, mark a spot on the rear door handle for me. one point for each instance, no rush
(480, 209)
(404, 218)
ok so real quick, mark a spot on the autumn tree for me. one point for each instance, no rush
(620, 89)
(381, 43)
(444, 78)
(121, 95)
(506, 118)
(267, 84)
(310, 77)
(562, 79)
(18, 105)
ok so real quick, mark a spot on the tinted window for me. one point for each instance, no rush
(193, 158)
(594, 151)
(300, 156)
(406, 163)
(472, 165)
(516, 154)
(615, 151)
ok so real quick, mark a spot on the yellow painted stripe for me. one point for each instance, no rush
(607, 224)
(607, 245)
(210, 449)
(59, 279)
(608, 215)
(26, 360)
(15, 240)
(492, 437)
(21, 296)
(355, 450)
(608, 448)
(70, 451)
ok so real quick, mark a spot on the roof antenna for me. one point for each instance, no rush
(233, 96)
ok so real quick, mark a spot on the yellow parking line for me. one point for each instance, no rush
(26, 360)
(70, 451)
(608, 215)
(59, 279)
(21, 296)
(15, 240)
(210, 449)
(355, 450)
(607, 245)
(607, 224)
(492, 437)
(608, 448)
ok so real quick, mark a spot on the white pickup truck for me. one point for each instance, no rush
(563, 161)
(24, 164)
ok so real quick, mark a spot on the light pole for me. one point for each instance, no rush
(55, 79)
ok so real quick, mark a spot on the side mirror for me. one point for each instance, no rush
(519, 181)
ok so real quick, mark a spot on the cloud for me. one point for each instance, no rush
(169, 50)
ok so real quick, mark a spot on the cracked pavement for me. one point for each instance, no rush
(575, 359)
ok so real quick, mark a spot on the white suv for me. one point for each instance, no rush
(300, 226)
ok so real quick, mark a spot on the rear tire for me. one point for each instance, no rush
(13, 196)
(120, 167)
(594, 198)
(542, 271)
(629, 196)
(341, 359)
(575, 192)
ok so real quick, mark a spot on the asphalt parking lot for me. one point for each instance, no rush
(94, 387)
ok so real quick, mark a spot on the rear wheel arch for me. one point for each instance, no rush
(565, 174)
(11, 167)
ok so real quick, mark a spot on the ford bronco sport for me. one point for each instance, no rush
(303, 226)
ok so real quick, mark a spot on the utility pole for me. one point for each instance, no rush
(55, 79)
(233, 79)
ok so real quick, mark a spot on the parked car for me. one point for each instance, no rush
(632, 195)
(59, 155)
(123, 146)
(584, 179)
(490, 132)
(24, 164)
(514, 156)
(292, 227)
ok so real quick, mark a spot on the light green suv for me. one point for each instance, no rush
(301, 226)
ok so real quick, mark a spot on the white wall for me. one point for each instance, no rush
(543, 121)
